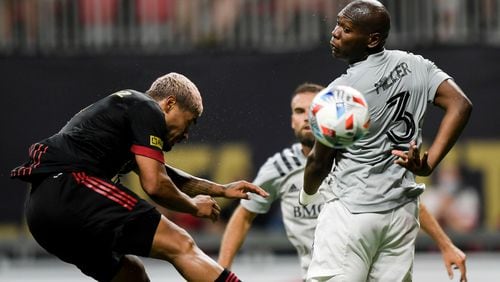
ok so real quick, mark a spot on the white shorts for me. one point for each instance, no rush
(365, 246)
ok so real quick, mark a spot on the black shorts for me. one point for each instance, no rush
(90, 222)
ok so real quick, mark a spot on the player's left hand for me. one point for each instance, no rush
(239, 190)
(411, 160)
(454, 258)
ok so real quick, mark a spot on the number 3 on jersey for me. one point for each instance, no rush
(399, 102)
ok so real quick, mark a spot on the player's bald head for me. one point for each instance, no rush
(369, 15)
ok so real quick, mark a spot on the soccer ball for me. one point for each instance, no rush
(339, 116)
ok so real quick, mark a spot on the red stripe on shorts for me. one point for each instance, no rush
(106, 189)
(112, 190)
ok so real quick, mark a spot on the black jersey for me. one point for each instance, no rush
(101, 139)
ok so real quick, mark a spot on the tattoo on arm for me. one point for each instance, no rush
(192, 185)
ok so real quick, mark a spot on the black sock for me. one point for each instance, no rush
(227, 276)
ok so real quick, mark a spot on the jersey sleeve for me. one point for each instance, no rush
(267, 179)
(148, 130)
(435, 77)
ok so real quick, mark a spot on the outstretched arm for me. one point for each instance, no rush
(452, 256)
(161, 189)
(458, 108)
(193, 186)
(318, 165)
(236, 231)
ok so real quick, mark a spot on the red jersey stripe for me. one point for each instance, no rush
(40, 152)
(35, 152)
(148, 152)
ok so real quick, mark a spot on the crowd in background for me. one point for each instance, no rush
(52, 26)
(169, 26)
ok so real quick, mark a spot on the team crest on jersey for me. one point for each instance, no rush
(155, 141)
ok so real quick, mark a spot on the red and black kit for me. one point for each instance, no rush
(75, 211)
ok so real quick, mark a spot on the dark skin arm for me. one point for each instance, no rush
(458, 108)
(318, 165)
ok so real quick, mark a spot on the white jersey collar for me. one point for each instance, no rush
(372, 59)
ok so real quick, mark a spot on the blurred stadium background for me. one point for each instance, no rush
(246, 56)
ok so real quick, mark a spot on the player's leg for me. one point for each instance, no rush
(174, 244)
(145, 232)
(66, 218)
(394, 260)
(343, 244)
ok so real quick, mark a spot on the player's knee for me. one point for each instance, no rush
(185, 245)
(173, 246)
(132, 269)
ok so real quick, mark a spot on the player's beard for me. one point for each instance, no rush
(306, 139)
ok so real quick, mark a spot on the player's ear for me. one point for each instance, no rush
(169, 103)
(374, 39)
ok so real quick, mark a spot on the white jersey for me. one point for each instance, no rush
(282, 175)
(398, 87)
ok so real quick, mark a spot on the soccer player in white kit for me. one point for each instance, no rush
(282, 176)
(367, 231)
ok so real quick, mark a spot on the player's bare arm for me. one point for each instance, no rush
(458, 108)
(318, 165)
(193, 186)
(161, 189)
(452, 256)
(234, 235)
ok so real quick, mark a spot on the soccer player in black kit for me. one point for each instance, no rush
(78, 213)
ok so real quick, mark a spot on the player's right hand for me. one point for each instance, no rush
(240, 190)
(412, 161)
(207, 207)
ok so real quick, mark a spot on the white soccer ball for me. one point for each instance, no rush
(339, 116)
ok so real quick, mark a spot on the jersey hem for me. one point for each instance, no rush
(353, 208)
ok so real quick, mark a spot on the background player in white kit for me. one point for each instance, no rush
(282, 176)
(367, 231)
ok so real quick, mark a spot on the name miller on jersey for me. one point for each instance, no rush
(396, 74)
